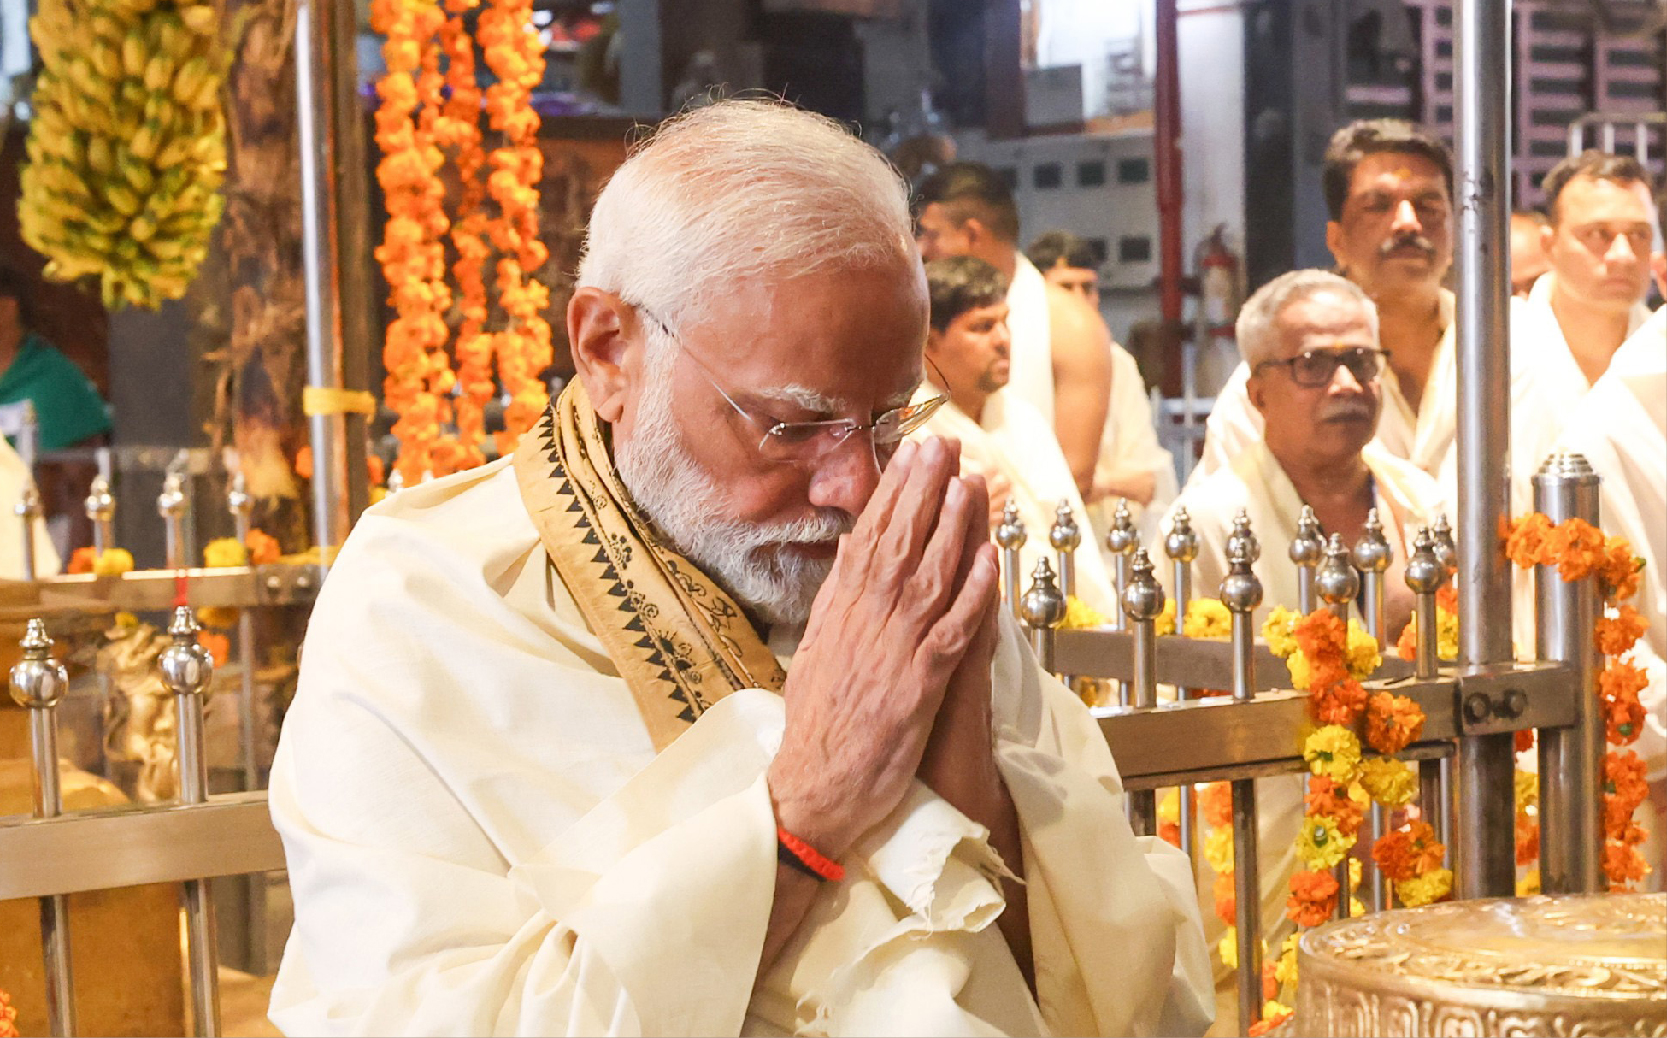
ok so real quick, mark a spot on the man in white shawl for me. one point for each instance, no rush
(698, 715)
(1002, 437)
(1310, 340)
(1388, 190)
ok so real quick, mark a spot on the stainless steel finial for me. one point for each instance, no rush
(1011, 533)
(1122, 537)
(1181, 543)
(1242, 535)
(238, 499)
(171, 502)
(38, 680)
(29, 502)
(1241, 591)
(1372, 553)
(100, 504)
(1065, 535)
(1308, 546)
(1337, 581)
(1425, 574)
(1043, 605)
(186, 666)
(396, 481)
(1143, 598)
(1446, 550)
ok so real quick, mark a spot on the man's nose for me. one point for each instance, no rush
(1343, 381)
(1620, 250)
(845, 477)
(1406, 217)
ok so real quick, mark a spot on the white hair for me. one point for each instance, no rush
(1255, 329)
(689, 508)
(739, 189)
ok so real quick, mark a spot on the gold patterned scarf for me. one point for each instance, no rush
(679, 640)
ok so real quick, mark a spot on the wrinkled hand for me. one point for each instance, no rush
(907, 596)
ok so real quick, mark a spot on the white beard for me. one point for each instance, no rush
(686, 506)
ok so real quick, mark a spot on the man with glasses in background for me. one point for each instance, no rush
(1310, 341)
(699, 715)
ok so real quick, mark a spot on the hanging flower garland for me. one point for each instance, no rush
(1579, 550)
(431, 106)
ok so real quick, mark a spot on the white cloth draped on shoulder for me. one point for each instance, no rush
(1030, 374)
(482, 839)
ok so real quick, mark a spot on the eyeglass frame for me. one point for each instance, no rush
(839, 429)
(1337, 361)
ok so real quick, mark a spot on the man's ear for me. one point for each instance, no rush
(606, 357)
(1334, 242)
(1257, 390)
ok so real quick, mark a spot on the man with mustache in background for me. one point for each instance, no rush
(1388, 189)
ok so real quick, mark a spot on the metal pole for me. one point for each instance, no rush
(1571, 759)
(28, 509)
(170, 504)
(1241, 593)
(1486, 858)
(1424, 576)
(101, 510)
(1306, 551)
(241, 506)
(1142, 602)
(1166, 102)
(1043, 609)
(1372, 555)
(1010, 537)
(1121, 540)
(1181, 545)
(319, 54)
(187, 670)
(1065, 537)
(38, 682)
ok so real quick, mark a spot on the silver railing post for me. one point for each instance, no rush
(28, 510)
(101, 510)
(1121, 540)
(1065, 538)
(1446, 549)
(1571, 759)
(1372, 556)
(1241, 593)
(1338, 584)
(1425, 575)
(1142, 602)
(1181, 545)
(1043, 609)
(170, 505)
(1307, 549)
(241, 505)
(1010, 537)
(38, 682)
(187, 670)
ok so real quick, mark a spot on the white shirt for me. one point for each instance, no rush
(1406, 498)
(1013, 441)
(13, 477)
(1030, 374)
(482, 840)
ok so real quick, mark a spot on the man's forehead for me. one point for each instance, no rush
(1595, 199)
(1396, 171)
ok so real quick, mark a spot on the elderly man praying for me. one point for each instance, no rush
(698, 715)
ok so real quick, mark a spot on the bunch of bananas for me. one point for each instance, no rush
(127, 146)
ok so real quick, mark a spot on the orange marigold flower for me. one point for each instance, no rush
(1623, 865)
(1616, 634)
(1623, 719)
(1320, 636)
(1524, 740)
(1215, 803)
(218, 646)
(1392, 722)
(1620, 679)
(1447, 598)
(1170, 833)
(1270, 983)
(1267, 1024)
(1528, 838)
(1338, 703)
(1313, 897)
(1408, 852)
(304, 462)
(263, 548)
(1407, 646)
(1328, 799)
(81, 560)
(1226, 898)
(1525, 543)
(1620, 570)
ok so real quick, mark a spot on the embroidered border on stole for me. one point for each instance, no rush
(679, 640)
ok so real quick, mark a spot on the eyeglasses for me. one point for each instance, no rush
(810, 441)
(1313, 369)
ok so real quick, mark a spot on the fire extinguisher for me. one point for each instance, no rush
(1221, 282)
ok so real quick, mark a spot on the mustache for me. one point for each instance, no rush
(1348, 410)
(1407, 241)
(827, 524)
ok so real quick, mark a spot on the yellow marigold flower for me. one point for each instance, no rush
(1356, 870)
(126, 619)
(1079, 615)
(1228, 948)
(217, 616)
(1169, 808)
(1333, 751)
(1218, 848)
(1390, 782)
(1165, 623)
(1207, 618)
(378, 495)
(1273, 1007)
(1356, 907)
(1447, 635)
(1276, 631)
(227, 551)
(1527, 790)
(1320, 845)
(1427, 889)
(1302, 675)
(113, 562)
(1529, 884)
(1285, 970)
(1363, 657)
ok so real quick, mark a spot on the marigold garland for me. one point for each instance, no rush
(1579, 550)
(8, 1017)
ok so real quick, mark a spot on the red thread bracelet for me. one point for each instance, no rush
(814, 860)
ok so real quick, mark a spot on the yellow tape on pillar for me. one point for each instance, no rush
(324, 400)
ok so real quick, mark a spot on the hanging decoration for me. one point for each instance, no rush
(440, 378)
(127, 144)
